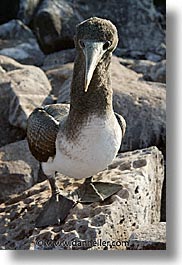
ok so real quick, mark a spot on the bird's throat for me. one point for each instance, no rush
(98, 98)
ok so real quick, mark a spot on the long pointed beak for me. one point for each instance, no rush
(93, 52)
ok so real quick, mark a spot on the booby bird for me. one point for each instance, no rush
(83, 140)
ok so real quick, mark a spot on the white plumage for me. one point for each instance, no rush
(93, 150)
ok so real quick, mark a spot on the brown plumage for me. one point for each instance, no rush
(42, 129)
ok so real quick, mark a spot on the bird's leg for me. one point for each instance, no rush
(56, 209)
(96, 191)
(54, 188)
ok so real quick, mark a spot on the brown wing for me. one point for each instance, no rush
(42, 129)
(121, 122)
(58, 111)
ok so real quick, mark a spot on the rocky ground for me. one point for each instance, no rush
(36, 64)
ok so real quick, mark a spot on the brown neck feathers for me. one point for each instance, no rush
(98, 99)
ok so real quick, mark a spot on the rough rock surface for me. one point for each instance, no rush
(18, 169)
(27, 9)
(57, 59)
(151, 71)
(142, 104)
(149, 237)
(135, 205)
(18, 42)
(60, 79)
(60, 19)
(158, 72)
(8, 133)
(24, 89)
(137, 21)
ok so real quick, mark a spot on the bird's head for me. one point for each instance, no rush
(95, 38)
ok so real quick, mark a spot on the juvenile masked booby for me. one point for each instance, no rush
(85, 139)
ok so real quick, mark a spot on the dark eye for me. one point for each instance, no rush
(106, 45)
(82, 44)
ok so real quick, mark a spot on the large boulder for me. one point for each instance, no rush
(18, 169)
(137, 204)
(18, 42)
(142, 104)
(8, 133)
(137, 21)
(60, 18)
(22, 88)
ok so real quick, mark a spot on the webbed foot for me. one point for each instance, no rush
(96, 191)
(55, 211)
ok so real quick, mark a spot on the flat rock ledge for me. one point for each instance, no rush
(100, 225)
(150, 237)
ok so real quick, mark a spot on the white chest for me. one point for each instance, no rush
(95, 148)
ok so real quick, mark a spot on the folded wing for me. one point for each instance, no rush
(121, 122)
(42, 129)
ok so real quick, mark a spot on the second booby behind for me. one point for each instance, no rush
(85, 139)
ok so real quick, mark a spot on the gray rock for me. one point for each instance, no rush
(139, 66)
(151, 71)
(24, 88)
(158, 72)
(19, 43)
(28, 94)
(57, 59)
(137, 21)
(149, 237)
(60, 80)
(18, 169)
(137, 204)
(142, 104)
(8, 133)
(15, 29)
(153, 57)
(60, 19)
(27, 9)
(8, 64)
(143, 107)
